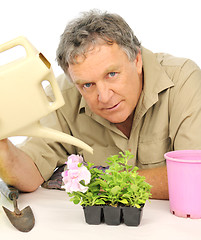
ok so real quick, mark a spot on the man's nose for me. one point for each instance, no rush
(104, 93)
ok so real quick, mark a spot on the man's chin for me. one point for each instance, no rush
(120, 119)
(117, 121)
(117, 118)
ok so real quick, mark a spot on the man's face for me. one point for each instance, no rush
(108, 81)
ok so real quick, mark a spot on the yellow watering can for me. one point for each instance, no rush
(23, 101)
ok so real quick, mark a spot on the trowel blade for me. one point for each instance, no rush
(24, 222)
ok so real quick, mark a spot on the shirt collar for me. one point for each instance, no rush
(156, 79)
(83, 105)
(84, 108)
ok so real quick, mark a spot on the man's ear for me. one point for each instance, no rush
(138, 62)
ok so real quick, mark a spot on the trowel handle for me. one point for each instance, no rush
(8, 191)
(30, 49)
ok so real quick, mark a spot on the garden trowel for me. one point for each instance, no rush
(22, 220)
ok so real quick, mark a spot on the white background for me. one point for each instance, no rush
(171, 26)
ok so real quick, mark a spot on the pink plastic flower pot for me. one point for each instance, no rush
(184, 182)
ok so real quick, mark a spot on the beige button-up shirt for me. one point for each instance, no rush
(167, 117)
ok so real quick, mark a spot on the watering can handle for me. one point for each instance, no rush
(30, 49)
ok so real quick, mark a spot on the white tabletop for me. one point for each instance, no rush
(58, 218)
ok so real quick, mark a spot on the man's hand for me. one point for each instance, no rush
(17, 168)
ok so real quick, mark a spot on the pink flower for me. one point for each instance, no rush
(75, 174)
(73, 161)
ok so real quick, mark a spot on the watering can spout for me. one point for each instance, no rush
(38, 130)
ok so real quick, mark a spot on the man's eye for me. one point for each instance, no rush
(87, 85)
(112, 74)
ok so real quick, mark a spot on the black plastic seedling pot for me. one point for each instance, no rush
(130, 216)
(93, 214)
(112, 215)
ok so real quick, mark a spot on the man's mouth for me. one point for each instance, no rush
(114, 107)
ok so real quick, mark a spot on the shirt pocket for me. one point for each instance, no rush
(151, 153)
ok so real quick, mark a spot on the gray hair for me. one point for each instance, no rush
(87, 30)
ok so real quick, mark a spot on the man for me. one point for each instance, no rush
(120, 96)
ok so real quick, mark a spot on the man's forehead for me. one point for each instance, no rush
(100, 60)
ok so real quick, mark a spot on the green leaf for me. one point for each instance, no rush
(95, 183)
(115, 190)
(89, 194)
(124, 201)
(99, 202)
(79, 165)
(89, 164)
(76, 201)
(134, 188)
(126, 195)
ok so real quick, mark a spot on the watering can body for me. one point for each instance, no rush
(23, 101)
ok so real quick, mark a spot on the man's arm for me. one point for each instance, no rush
(157, 178)
(17, 168)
